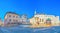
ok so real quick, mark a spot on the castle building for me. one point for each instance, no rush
(24, 19)
(11, 19)
(44, 20)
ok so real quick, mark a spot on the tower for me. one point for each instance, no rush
(35, 12)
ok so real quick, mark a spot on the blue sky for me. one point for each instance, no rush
(29, 6)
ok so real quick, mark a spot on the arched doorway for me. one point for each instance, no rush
(48, 22)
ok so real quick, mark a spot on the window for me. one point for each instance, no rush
(40, 20)
(9, 15)
(13, 16)
(16, 20)
(10, 20)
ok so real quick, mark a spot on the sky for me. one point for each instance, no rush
(29, 6)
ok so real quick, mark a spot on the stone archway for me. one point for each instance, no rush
(48, 22)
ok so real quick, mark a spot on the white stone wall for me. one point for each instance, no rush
(16, 17)
(54, 19)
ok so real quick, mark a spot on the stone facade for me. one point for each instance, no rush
(44, 20)
(12, 18)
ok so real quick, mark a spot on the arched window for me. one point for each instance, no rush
(41, 20)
